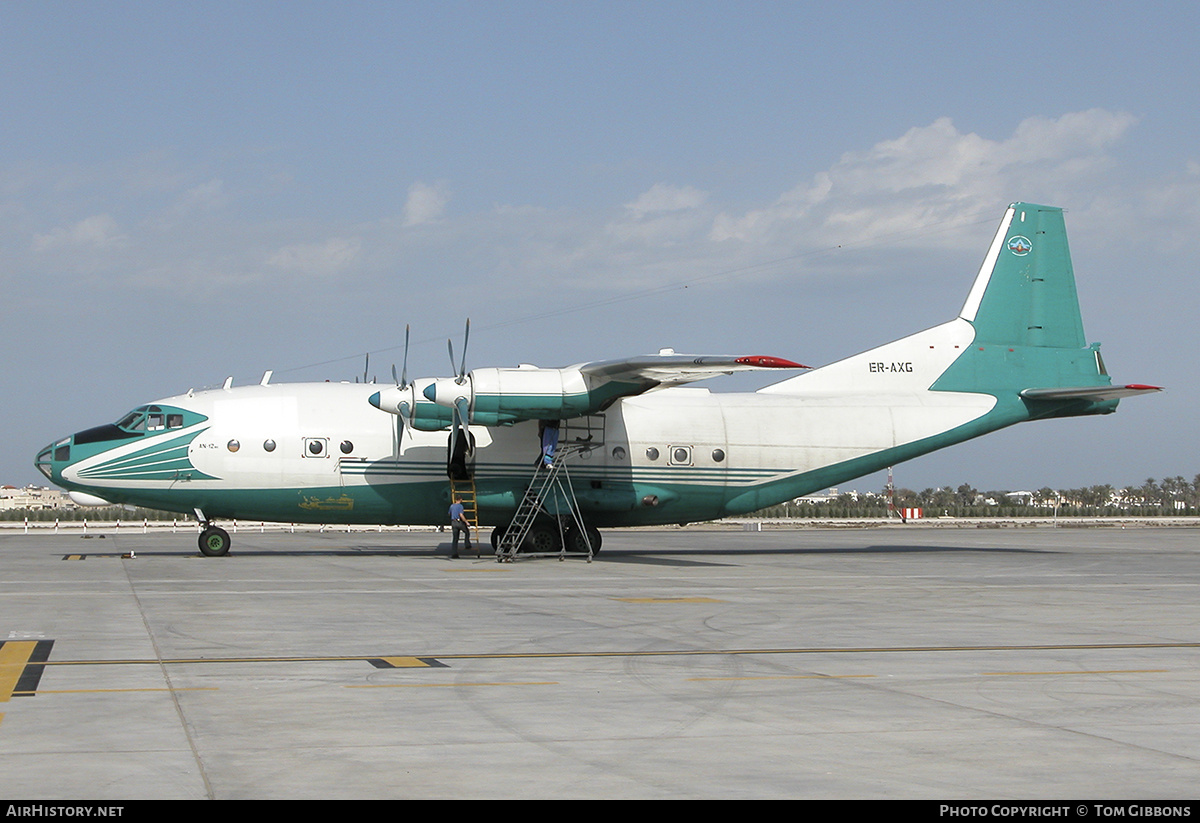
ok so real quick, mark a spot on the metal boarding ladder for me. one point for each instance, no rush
(464, 490)
(546, 484)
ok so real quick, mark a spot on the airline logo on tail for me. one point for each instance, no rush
(1020, 246)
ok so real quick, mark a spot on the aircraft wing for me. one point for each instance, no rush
(676, 369)
(498, 397)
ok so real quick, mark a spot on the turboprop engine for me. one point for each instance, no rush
(497, 397)
(501, 397)
(412, 407)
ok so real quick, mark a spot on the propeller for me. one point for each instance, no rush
(404, 407)
(461, 372)
(461, 408)
(404, 372)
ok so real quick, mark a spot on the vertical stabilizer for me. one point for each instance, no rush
(1025, 292)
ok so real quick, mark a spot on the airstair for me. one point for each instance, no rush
(549, 505)
(464, 490)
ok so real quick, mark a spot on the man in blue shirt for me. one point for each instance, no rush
(459, 523)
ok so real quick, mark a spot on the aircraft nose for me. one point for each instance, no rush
(51, 460)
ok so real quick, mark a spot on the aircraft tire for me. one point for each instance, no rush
(576, 544)
(214, 542)
(542, 539)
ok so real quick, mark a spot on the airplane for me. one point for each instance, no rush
(648, 449)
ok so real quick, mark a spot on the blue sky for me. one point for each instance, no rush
(191, 191)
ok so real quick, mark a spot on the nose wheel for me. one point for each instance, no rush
(214, 542)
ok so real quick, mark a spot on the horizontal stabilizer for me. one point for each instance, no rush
(1096, 393)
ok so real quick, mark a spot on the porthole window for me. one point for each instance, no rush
(618, 453)
(652, 453)
(315, 447)
(718, 455)
(269, 445)
(680, 456)
(346, 447)
(233, 445)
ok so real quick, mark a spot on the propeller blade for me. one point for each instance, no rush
(404, 372)
(462, 412)
(462, 370)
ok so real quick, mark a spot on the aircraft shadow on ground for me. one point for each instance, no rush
(674, 556)
(677, 556)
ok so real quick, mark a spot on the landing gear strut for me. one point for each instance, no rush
(214, 541)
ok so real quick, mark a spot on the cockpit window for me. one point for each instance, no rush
(135, 421)
(158, 418)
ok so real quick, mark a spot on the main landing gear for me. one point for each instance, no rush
(544, 537)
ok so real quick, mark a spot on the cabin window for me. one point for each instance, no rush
(346, 446)
(315, 446)
(269, 445)
(175, 421)
(718, 455)
(681, 456)
(652, 453)
(233, 445)
(618, 453)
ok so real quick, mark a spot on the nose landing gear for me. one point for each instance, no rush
(214, 541)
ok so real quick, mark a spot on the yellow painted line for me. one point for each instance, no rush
(404, 662)
(787, 677)
(668, 600)
(1079, 671)
(810, 650)
(449, 685)
(106, 691)
(14, 656)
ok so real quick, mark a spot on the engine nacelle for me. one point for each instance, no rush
(412, 408)
(505, 396)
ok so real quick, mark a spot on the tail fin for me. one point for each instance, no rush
(1029, 339)
(1025, 292)
(1018, 338)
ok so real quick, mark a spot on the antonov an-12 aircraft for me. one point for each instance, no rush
(645, 450)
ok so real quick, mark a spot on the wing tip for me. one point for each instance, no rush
(763, 361)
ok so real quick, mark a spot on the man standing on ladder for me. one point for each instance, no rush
(459, 523)
(548, 432)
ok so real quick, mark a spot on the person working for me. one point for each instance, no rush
(459, 523)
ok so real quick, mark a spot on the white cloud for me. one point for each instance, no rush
(206, 197)
(663, 197)
(425, 203)
(935, 173)
(98, 231)
(329, 257)
(662, 216)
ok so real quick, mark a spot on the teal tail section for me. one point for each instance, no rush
(1029, 349)
(1030, 297)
